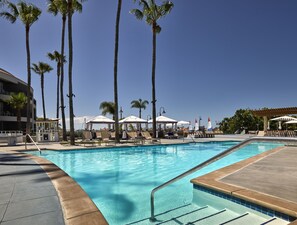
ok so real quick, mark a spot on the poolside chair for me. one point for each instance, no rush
(147, 137)
(87, 138)
(106, 137)
(261, 133)
(134, 137)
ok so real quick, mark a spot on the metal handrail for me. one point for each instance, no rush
(194, 169)
(32, 141)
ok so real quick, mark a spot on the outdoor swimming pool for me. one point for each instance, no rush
(119, 180)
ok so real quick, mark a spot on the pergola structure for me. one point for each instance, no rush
(265, 113)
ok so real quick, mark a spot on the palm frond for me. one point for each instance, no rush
(52, 7)
(8, 16)
(166, 8)
(138, 14)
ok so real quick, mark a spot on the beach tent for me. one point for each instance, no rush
(291, 122)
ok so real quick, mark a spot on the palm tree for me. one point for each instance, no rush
(72, 6)
(107, 108)
(18, 101)
(56, 56)
(55, 7)
(42, 68)
(116, 49)
(152, 13)
(28, 14)
(139, 104)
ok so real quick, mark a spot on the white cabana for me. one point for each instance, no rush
(99, 120)
(164, 120)
(196, 127)
(132, 119)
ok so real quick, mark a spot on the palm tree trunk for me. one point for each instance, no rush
(71, 114)
(140, 112)
(28, 125)
(153, 81)
(62, 79)
(42, 95)
(58, 84)
(116, 49)
(19, 119)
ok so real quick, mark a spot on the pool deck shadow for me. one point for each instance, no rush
(34, 191)
(267, 179)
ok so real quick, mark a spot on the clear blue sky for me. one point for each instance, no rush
(213, 57)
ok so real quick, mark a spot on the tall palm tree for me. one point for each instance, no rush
(18, 101)
(42, 68)
(55, 7)
(107, 108)
(28, 14)
(139, 104)
(152, 13)
(56, 56)
(72, 6)
(116, 49)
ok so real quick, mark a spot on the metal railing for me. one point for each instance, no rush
(196, 168)
(28, 135)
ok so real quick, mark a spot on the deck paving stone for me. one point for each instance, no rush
(44, 219)
(31, 207)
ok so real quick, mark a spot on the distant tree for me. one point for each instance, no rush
(28, 14)
(243, 119)
(139, 104)
(18, 101)
(40, 69)
(56, 56)
(152, 13)
(107, 108)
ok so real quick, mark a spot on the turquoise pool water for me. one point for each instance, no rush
(119, 180)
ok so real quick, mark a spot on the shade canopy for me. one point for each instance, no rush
(183, 123)
(291, 122)
(132, 119)
(101, 119)
(163, 119)
(284, 118)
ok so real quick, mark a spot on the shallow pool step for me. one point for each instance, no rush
(192, 214)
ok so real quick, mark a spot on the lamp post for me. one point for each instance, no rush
(160, 112)
(121, 113)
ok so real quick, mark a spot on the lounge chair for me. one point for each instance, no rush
(261, 133)
(135, 138)
(106, 137)
(147, 137)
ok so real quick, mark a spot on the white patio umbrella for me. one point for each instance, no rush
(196, 128)
(183, 123)
(291, 122)
(209, 127)
(282, 118)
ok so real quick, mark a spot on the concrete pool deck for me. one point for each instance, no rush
(267, 179)
(77, 208)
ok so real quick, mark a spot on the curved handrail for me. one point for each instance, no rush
(32, 141)
(198, 167)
